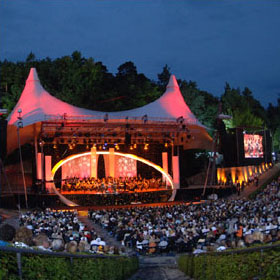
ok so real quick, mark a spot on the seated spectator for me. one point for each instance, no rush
(41, 241)
(24, 236)
(72, 247)
(7, 234)
(83, 246)
(57, 245)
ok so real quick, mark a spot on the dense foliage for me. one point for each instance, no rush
(51, 268)
(86, 83)
(235, 266)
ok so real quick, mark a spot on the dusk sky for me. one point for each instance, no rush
(210, 42)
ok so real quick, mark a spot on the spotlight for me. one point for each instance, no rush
(20, 124)
(180, 120)
(145, 118)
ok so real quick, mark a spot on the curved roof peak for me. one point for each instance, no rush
(33, 76)
(172, 82)
(36, 104)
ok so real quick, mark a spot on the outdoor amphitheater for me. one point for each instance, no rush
(102, 195)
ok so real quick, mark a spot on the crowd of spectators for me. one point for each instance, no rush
(119, 199)
(54, 231)
(209, 226)
(112, 185)
(212, 225)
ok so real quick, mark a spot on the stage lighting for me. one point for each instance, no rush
(127, 139)
(145, 118)
(180, 120)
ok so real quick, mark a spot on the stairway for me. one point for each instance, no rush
(158, 267)
(110, 241)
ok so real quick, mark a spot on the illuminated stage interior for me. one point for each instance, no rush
(117, 165)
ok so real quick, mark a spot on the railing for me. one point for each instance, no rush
(20, 251)
(247, 250)
(111, 116)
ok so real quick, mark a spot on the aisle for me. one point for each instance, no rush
(110, 241)
(158, 267)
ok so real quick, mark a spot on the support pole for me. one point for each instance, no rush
(21, 164)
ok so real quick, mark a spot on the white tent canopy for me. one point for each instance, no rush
(37, 105)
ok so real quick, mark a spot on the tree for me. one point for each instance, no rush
(163, 77)
(244, 109)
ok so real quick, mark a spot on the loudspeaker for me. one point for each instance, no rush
(127, 140)
(3, 139)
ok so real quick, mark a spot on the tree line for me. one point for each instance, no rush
(87, 83)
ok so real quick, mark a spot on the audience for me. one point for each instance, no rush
(56, 231)
(213, 225)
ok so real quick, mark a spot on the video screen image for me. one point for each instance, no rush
(253, 146)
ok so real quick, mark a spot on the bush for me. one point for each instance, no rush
(60, 268)
(235, 266)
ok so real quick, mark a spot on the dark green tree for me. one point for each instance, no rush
(163, 77)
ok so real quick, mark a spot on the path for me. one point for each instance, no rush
(158, 268)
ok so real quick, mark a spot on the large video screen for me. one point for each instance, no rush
(253, 146)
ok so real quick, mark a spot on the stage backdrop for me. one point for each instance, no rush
(78, 167)
(81, 167)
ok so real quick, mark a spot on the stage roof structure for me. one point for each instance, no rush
(43, 116)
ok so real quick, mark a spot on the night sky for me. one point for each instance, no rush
(210, 42)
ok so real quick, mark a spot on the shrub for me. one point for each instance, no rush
(233, 266)
(60, 268)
